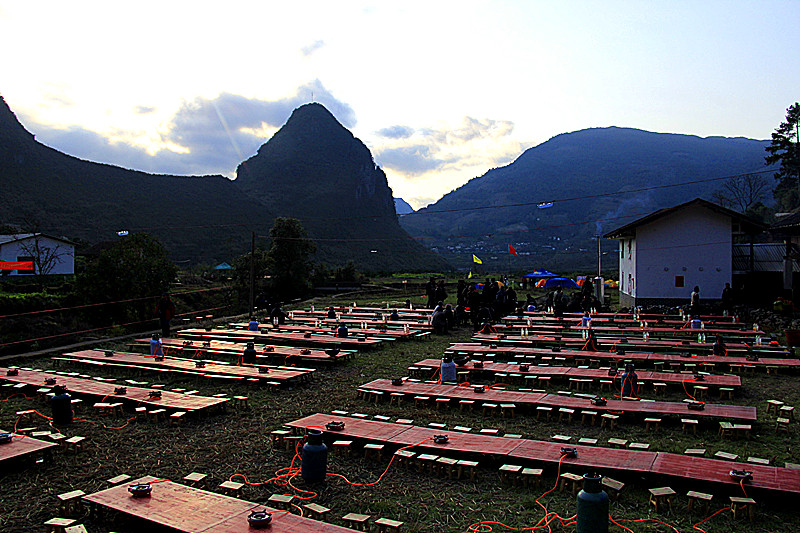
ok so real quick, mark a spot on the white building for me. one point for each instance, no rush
(665, 254)
(55, 255)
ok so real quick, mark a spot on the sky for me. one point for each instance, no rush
(439, 91)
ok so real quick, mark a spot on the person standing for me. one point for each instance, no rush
(165, 311)
(727, 299)
(694, 301)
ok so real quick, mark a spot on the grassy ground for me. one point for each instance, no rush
(238, 442)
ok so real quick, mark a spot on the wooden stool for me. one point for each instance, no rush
(277, 436)
(725, 393)
(725, 456)
(156, 414)
(689, 423)
(725, 429)
(58, 525)
(695, 452)
(385, 525)
(743, 506)
(292, 442)
(543, 411)
(241, 401)
(531, 477)
(176, 418)
(446, 466)
(786, 411)
(654, 423)
(561, 438)
(564, 412)
(585, 441)
(703, 500)
(608, 419)
(772, 405)
(614, 487)
(404, 457)
(606, 385)
(77, 528)
(396, 398)
(618, 443)
(467, 467)
(231, 488)
(742, 430)
(507, 409)
(442, 403)
(197, 480)
(118, 480)
(782, 424)
(659, 388)
(317, 512)
(660, 497)
(373, 449)
(570, 481)
(73, 443)
(772, 369)
(588, 415)
(419, 401)
(69, 503)
(700, 391)
(466, 404)
(281, 501)
(489, 407)
(342, 447)
(359, 522)
(426, 461)
(509, 474)
(639, 446)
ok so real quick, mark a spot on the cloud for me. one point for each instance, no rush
(143, 109)
(396, 132)
(204, 136)
(313, 47)
(411, 160)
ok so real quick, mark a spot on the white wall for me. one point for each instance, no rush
(695, 243)
(66, 262)
(627, 267)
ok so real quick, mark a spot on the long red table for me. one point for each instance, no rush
(388, 334)
(648, 358)
(139, 395)
(327, 341)
(568, 372)
(21, 446)
(211, 369)
(535, 399)
(714, 471)
(193, 510)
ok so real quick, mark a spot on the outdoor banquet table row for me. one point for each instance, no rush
(319, 340)
(689, 470)
(531, 400)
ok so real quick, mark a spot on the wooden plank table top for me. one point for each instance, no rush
(289, 326)
(629, 321)
(287, 337)
(458, 442)
(716, 411)
(194, 510)
(354, 427)
(235, 349)
(650, 358)
(593, 373)
(21, 446)
(139, 395)
(454, 392)
(211, 368)
(716, 471)
(588, 456)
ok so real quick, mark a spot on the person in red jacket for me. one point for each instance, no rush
(165, 310)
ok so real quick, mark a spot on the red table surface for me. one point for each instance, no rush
(21, 445)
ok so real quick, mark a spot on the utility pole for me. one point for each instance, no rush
(252, 271)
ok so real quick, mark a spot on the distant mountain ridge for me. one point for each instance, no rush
(585, 174)
(402, 207)
(211, 218)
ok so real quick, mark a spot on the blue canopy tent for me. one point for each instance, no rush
(564, 283)
(223, 266)
(540, 274)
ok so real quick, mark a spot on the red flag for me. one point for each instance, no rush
(512, 250)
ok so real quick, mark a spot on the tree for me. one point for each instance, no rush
(742, 192)
(785, 149)
(136, 266)
(289, 258)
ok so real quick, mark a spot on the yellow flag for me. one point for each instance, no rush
(476, 260)
(470, 275)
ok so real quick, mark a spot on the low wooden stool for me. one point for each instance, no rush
(446, 466)
(426, 461)
(467, 467)
(386, 525)
(531, 477)
(359, 522)
(743, 506)
(176, 418)
(370, 449)
(586, 441)
(420, 401)
(786, 411)
(618, 443)
(726, 393)
(609, 419)
(614, 487)
(703, 500)
(772, 405)
(73, 443)
(700, 391)
(725, 456)
(404, 457)
(342, 447)
(118, 480)
(546, 411)
(695, 452)
(571, 481)
(292, 442)
(725, 429)
(509, 474)
(196, 480)
(58, 525)
(77, 528)
(660, 497)
(396, 398)
(782, 424)
(277, 436)
(281, 501)
(689, 423)
(466, 404)
(508, 409)
(565, 412)
(69, 503)
(659, 388)
(654, 423)
(590, 415)
(490, 407)
(231, 488)
(241, 401)
(317, 512)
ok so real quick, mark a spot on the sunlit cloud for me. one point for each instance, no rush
(313, 47)
(396, 132)
(144, 109)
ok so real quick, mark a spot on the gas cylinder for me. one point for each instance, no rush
(448, 369)
(253, 324)
(156, 348)
(315, 457)
(61, 404)
(341, 331)
(592, 506)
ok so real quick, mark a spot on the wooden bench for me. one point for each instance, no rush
(661, 497)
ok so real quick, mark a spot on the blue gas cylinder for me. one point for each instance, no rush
(448, 370)
(341, 331)
(630, 384)
(61, 404)
(592, 506)
(315, 457)
(156, 347)
(253, 325)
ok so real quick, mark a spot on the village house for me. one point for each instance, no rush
(665, 254)
(51, 255)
